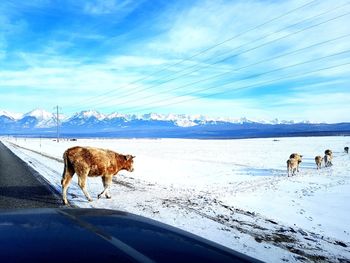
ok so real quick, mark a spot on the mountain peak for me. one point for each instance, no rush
(44, 118)
(89, 114)
(40, 114)
(11, 115)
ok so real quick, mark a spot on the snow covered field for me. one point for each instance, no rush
(234, 192)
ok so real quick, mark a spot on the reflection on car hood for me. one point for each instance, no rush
(74, 235)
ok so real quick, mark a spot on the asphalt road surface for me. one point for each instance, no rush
(20, 187)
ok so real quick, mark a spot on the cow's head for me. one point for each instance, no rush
(129, 163)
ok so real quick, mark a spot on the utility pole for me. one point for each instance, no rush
(57, 123)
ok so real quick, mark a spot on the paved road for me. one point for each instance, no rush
(19, 188)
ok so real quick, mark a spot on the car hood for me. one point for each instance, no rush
(74, 234)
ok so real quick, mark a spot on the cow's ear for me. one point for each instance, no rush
(128, 157)
(133, 156)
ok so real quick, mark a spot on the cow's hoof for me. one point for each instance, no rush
(108, 196)
(98, 196)
(90, 200)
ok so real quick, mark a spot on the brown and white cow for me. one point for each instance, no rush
(328, 157)
(318, 161)
(89, 161)
(328, 160)
(297, 157)
(292, 166)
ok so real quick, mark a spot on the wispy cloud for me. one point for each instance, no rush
(101, 7)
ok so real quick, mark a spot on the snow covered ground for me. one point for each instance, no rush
(234, 192)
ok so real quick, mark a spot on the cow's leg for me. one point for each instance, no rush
(107, 181)
(82, 184)
(67, 177)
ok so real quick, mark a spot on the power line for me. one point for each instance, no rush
(231, 56)
(291, 76)
(254, 76)
(257, 63)
(207, 49)
(57, 119)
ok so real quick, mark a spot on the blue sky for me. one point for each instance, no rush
(254, 59)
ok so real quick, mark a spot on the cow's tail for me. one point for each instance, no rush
(68, 167)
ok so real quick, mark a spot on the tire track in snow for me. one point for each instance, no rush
(37, 152)
(306, 245)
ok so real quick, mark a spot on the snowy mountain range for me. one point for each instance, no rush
(47, 119)
(93, 123)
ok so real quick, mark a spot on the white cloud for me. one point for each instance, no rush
(317, 106)
(102, 7)
(209, 23)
